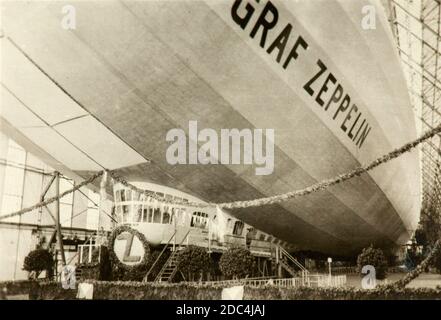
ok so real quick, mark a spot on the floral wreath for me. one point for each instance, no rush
(113, 257)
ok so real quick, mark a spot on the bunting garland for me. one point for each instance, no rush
(322, 185)
(52, 199)
(176, 205)
(159, 202)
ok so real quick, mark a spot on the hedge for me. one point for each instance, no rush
(18, 287)
(306, 293)
(374, 257)
(237, 262)
(119, 290)
(38, 260)
(127, 290)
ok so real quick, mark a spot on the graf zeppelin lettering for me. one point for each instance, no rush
(325, 90)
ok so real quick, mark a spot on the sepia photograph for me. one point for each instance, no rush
(210, 150)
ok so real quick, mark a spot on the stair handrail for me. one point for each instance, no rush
(292, 259)
(157, 259)
(164, 266)
(58, 276)
(185, 237)
(171, 256)
(89, 239)
(79, 253)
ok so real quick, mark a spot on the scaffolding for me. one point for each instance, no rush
(416, 28)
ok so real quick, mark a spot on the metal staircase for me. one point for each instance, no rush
(78, 274)
(286, 261)
(170, 267)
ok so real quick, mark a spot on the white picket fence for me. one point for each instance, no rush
(317, 280)
(328, 281)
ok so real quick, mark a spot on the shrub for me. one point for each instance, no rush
(39, 260)
(430, 226)
(420, 237)
(374, 257)
(18, 287)
(412, 258)
(214, 270)
(236, 262)
(436, 261)
(193, 260)
(99, 269)
(138, 272)
(135, 274)
(164, 291)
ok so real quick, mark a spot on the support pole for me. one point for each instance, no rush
(57, 216)
(103, 195)
(278, 258)
(40, 210)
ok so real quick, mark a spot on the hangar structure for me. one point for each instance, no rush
(103, 95)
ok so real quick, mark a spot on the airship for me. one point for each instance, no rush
(98, 85)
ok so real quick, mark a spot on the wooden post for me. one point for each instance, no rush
(57, 217)
(278, 258)
(90, 252)
(40, 211)
(175, 228)
(103, 195)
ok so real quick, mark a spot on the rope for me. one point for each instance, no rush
(419, 269)
(293, 194)
(248, 203)
(270, 200)
(52, 199)
(93, 202)
(330, 182)
(103, 194)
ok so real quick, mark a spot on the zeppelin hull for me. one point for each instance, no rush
(144, 68)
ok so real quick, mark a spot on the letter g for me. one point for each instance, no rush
(242, 22)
